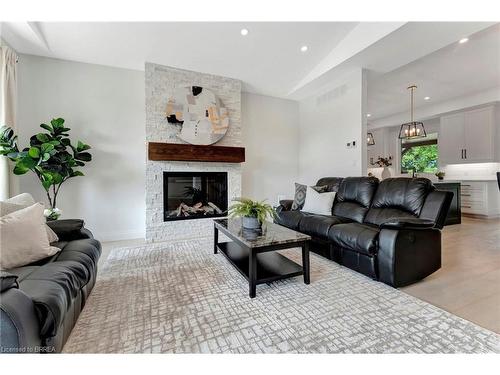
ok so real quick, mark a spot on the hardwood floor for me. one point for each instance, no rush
(467, 285)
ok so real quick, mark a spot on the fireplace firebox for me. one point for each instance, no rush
(194, 195)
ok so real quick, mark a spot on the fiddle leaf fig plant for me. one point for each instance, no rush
(50, 156)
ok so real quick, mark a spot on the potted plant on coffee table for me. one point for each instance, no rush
(253, 213)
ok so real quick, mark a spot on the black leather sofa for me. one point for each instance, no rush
(388, 230)
(40, 303)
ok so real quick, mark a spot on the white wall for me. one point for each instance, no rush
(328, 121)
(270, 128)
(104, 107)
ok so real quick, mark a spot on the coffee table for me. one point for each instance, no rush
(254, 253)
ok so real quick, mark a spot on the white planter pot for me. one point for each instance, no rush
(250, 222)
(386, 173)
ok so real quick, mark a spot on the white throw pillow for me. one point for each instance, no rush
(6, 208)
(24, 199)
(318, 203)
(23, 237)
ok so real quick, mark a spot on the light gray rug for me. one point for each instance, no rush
(180, 297)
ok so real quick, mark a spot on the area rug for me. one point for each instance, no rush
(181, 298)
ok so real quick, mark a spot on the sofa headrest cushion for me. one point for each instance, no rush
(403, 193)
(333, 183)
(359, 190)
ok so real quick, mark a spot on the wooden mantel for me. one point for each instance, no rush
(158, 151)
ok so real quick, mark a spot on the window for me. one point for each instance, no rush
(420, 155)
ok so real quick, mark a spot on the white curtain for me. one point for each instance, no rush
(8, 104)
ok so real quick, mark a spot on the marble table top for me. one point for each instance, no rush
(271, 234)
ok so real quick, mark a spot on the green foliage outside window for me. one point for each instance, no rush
(421, 159)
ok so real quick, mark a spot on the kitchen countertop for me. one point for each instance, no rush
(450, 180)
(468, 180)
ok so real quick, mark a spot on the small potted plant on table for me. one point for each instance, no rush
(384, 163)
(440, 175)
(252, 213)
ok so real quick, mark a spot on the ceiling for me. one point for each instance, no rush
(268, 60)
(450, 72)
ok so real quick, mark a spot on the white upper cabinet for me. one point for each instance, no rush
(467, 137)
(479, 135)
(451, 139)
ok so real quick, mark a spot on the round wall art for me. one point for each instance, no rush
(199, 113)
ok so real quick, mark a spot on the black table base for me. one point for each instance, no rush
(263, 264)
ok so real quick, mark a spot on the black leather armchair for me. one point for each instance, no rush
(40, 302)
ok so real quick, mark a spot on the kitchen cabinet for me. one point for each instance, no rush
(451, 139)
(480, 198)
(468, 137)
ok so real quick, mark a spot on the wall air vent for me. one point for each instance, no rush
(331, 95)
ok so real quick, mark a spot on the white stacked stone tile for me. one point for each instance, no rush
(161, 81)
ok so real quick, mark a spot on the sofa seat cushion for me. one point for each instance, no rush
(319, 225)
(357, 237)
(53, 287)
(290, 219)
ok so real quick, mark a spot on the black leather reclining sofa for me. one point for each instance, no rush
(40, 302)
(388, 230)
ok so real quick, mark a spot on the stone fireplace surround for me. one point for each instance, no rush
(160, 83)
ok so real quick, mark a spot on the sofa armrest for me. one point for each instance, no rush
(408, 255)
(69, 229)
(19, 322)
(436, 207)
(285, 205)
(407, 223)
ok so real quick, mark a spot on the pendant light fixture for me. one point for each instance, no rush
(370, 141)
(412, 129)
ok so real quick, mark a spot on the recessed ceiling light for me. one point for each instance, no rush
(244, 32)
(427, 98)
(304, 48)
(463, 40)
(368, 115)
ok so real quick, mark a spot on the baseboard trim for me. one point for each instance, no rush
(478, 216)
(118, 236)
